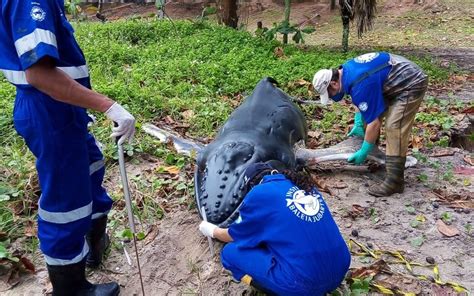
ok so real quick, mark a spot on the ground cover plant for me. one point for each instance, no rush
(190, 76)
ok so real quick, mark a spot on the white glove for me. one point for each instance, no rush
(125, 128)
(207, 228)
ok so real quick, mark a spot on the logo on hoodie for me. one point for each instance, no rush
(306, 206)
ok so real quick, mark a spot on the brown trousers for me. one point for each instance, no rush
(399, 119)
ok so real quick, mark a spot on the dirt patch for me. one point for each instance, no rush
(175, 257)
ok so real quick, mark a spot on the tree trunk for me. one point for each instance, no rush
(346, 18)
(345, 34)
(287, 19)
(229, 13)
(333, 4)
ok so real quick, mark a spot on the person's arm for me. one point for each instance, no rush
(46, 77)
(212, 230)
(223, 235)
(372, 131)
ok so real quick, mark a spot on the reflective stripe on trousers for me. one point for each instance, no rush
(70, 168)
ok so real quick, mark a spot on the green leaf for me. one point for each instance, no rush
(209, 11)
(181, 186)
(423, 177)
(126, 233)
(360, 286)
(365, 260)
(4, 197)
(411, 210)
(170, 159)
(415, 223)
(308, 30)
(140, 235)
(4, 254)
(417, 241)
(297, 37)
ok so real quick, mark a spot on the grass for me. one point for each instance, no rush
(157, 69)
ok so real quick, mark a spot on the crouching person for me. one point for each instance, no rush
(285, 241)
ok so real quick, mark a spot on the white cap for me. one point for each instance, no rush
(321, 82)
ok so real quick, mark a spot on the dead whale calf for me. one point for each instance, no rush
(264, 128)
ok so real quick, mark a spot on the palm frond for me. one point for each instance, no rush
(364, 13)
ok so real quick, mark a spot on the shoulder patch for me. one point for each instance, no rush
(366, 58)
(363, 106)
(37, 13)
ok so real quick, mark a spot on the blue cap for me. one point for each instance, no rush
(255, 169)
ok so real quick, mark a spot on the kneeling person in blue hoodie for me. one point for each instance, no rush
(285, 241)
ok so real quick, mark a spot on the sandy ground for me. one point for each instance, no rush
(176, 260)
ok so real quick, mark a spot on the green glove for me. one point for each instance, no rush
(358, 128)
(361, 155)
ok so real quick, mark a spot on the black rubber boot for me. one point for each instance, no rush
(98, 241)
(394, 179)
(70, 280)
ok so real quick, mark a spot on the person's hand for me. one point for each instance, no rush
(361, 155)
(207, 228)
(125, 121)
(358, 128)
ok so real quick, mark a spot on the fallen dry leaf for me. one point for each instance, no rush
(469, 160)
(314, 134)
(31, 229)
(462, 170)
(356, 211)
(417, 142)
(188, 114)
(174, 170)
(446, 230)
(401, 283)
(27, 264)
(372, 270)
(469, 110)
(442, 152)
(279, 53)
(438, 290)
(169, 120)
(152, 234)
(339, 185)
(464, 199)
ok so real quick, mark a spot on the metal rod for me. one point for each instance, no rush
(128, 203)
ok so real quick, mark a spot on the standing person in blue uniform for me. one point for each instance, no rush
(285, 241)
(40, 56)
(382, 86)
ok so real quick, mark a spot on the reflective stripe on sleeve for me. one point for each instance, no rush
(65, 217)
(96, 166)
(31, 41)
(19, 77)
(55, 261)
(76, 72)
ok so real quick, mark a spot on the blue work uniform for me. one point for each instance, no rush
(69, 163)
(286, 240)
(363, 79)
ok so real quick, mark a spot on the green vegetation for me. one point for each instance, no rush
(157, 69)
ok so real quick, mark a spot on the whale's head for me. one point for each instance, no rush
(219, 180)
